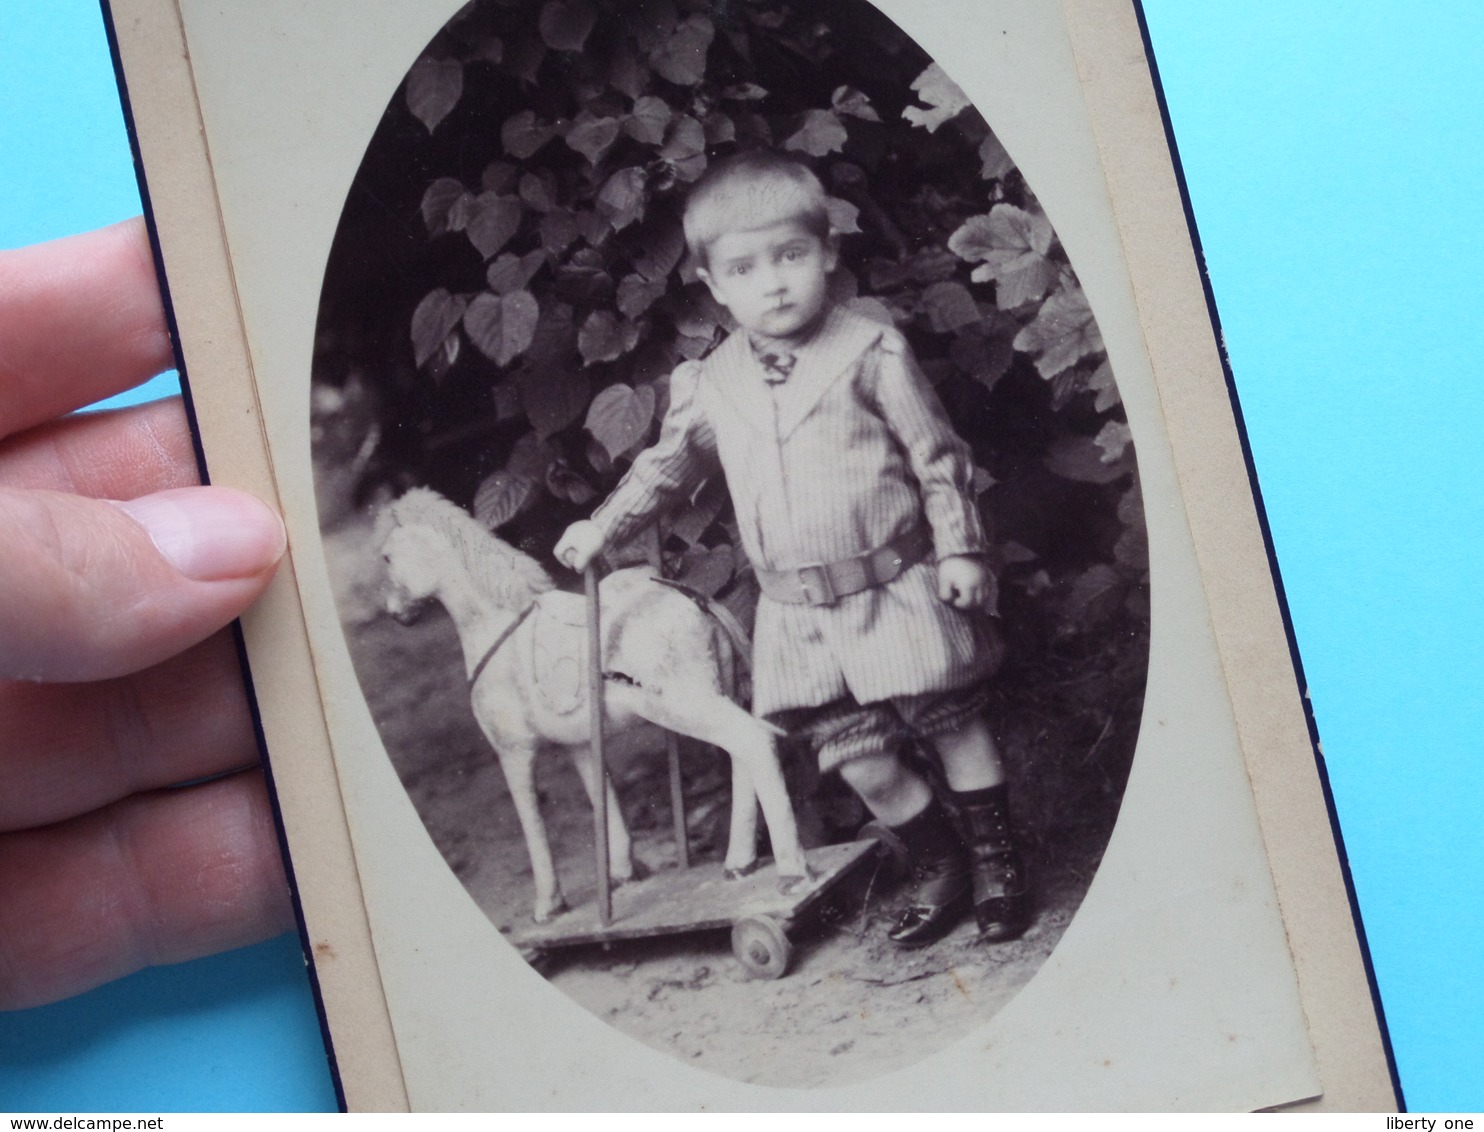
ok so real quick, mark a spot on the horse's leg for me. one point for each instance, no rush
(742, 835)
(519, 765)
(620, 849)
(705, 714)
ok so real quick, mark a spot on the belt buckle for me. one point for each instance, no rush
(815, 582)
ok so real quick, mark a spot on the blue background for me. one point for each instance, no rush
(1333, 154)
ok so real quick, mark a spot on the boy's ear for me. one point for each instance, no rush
(831, 252)
(705, 277)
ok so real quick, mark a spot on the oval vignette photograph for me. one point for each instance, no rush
(742, 306)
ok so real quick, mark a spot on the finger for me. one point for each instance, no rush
(96, 589)
(82, 319)
(119, 454)
(158, 878)
(68, 749)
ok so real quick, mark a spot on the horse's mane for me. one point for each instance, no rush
(506, 576)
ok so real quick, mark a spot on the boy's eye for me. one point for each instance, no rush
(793, 255)
(738, 269)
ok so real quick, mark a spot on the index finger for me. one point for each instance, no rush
(80, 319)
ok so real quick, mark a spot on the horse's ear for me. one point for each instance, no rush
(386, 522)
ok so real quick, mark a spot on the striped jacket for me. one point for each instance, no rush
(851, 452)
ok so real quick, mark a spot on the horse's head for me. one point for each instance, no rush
(411, 555)
(427, 541)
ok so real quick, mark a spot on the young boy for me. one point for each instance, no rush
(852, 495)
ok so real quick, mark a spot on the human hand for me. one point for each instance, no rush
(579, 545)
(965, 582)
(116, 680)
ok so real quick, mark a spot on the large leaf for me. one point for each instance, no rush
(685, 148)
(557, 230)
(502, 326)
(619, 417)
(433, 89)
(538, 191)
(822, 132)
(605, 336)
(1080, 458)
(719, 128)
(565, 24)
(848, 100)
(499, 177)
(1062, 332)
(1101, 382)
(1094, 596)
(686, 138)
(983, 351)
(649, 119)
(493, 219)
(592, 137)
(681, 58)
(553, 398)
(627, 74)
(994, 162)
(530, 457)
(660, 245)
(696, 313)
(511, 273)
(1114, 439)
(944, 98)
(843, 216)
(744, 92)
(637, 294)
(690, 522)
(950, 307)
(708, 570)
(1010, 246)
(522, 135)
(874, 309)
(438, 202)
(502, 496)
(437, 315)
(621, 199)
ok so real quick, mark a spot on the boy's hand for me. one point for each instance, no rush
(965, 582)
(579, 545)
(115, 684)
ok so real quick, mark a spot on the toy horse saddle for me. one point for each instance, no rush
(557, 644)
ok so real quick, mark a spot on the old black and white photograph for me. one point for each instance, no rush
(732, 324)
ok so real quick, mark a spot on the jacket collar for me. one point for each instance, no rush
(738, 375)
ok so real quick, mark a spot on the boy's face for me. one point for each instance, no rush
(772, 279)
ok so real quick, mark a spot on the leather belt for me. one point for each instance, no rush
(824, 583)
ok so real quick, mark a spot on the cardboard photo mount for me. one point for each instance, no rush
(1216, 962)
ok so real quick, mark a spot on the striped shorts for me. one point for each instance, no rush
(845, 729)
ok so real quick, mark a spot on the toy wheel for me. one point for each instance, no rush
(898, 863)
(761, 946)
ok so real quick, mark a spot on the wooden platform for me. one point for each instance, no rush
(700, 898)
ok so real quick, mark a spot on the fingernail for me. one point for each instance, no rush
(210, 534)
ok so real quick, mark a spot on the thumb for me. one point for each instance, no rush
(947, 591)
(96, 589)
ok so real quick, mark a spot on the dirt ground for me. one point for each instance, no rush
(852, 1005)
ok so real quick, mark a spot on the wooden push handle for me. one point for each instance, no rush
(595, 711)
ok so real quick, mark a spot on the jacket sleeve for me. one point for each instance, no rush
(667, 471)
(938, 456)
